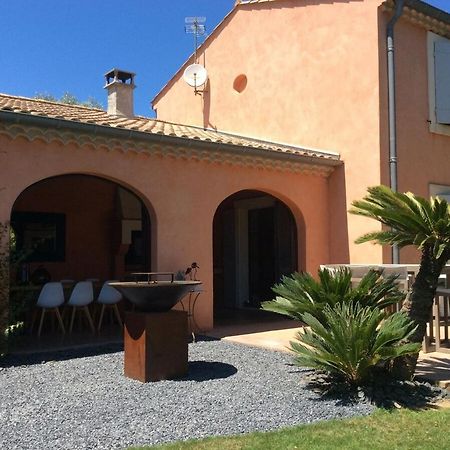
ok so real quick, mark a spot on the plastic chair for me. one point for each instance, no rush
(109, 297)
(50, 298)
(81, 296)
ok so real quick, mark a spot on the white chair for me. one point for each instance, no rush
(50, 298)
(81, 296)
(109, 297)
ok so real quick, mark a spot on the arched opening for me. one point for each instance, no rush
(81, 227)
(254, 245)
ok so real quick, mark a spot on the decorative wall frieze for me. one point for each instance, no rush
(220, 156)
(421, 19)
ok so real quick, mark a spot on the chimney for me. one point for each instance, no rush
(120, 86)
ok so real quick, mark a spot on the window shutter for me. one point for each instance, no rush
(442, 80)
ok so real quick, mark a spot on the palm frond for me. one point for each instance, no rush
(354, 340)
(301, 294)
(413, 220)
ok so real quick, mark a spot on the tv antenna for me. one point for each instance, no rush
(195, 26)
(195, 75)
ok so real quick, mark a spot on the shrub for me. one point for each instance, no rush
(353, 340)
(4, 284)
(10, 258)
(300, 293)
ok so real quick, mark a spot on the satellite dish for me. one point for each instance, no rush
(195, 75)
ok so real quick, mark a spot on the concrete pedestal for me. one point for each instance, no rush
(156, 345)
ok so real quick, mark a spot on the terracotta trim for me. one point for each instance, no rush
(429, 17)
(169, 149)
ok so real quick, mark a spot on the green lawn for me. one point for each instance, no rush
(382, 430)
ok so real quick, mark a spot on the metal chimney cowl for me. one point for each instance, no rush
(120, 86)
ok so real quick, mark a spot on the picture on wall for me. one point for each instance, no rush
(40, 236)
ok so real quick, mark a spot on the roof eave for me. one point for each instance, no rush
(423, 14)
(124, 133)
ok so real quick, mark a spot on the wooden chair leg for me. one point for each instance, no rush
(72, 318)
(101, 317)
(33, 320)
(89, 318)
(61, 323)
(117, 313)
(53, 323)
(41, 321)
(64, 311)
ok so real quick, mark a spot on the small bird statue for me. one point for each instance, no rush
(191, 271)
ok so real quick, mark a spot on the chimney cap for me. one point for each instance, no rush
(118, 75)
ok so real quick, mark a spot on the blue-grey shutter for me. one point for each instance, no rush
(442, 80)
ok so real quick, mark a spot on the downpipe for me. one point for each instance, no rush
(399, 4)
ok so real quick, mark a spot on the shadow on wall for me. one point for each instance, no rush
(207, 106)
(339, 243)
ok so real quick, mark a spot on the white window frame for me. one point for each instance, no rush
(435, 126)
(440, 190)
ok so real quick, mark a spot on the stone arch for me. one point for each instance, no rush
(263, 233)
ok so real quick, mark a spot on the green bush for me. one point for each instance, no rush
(300, 293)
(353, 340)
(10, 258)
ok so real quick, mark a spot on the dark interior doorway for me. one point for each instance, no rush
(254, 244)
(261, 254)
(82, 227)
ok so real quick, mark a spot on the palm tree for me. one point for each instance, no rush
(425, 224)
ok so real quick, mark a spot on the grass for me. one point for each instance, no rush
(382, 430)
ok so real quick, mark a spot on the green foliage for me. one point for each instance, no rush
(10, 258)
(4, 284)
(354, 340)
(349, 331)
(424, 224)
(403, 429)
(300, 293)
(70, 99)
(413, 220)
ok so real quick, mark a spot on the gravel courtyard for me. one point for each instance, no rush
(76, 401)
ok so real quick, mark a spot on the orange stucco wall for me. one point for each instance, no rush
(182, 196)
(423, 156)
(312, 79)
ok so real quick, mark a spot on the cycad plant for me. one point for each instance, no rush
(353, 340)
(300, 293)
(425, 224)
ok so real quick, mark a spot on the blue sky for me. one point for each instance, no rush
(53, 46)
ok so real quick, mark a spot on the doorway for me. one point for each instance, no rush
(254, 244)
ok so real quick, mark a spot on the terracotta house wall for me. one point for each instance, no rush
(89, 206)
(423, 156)
(312, 79)
(427, 152)
(182, 196)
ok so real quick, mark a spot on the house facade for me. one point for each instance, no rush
(102, 194)
(314, 73)
(251, 179)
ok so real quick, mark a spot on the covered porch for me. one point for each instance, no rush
(99, 203)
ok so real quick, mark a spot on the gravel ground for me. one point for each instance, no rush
(74, 401)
